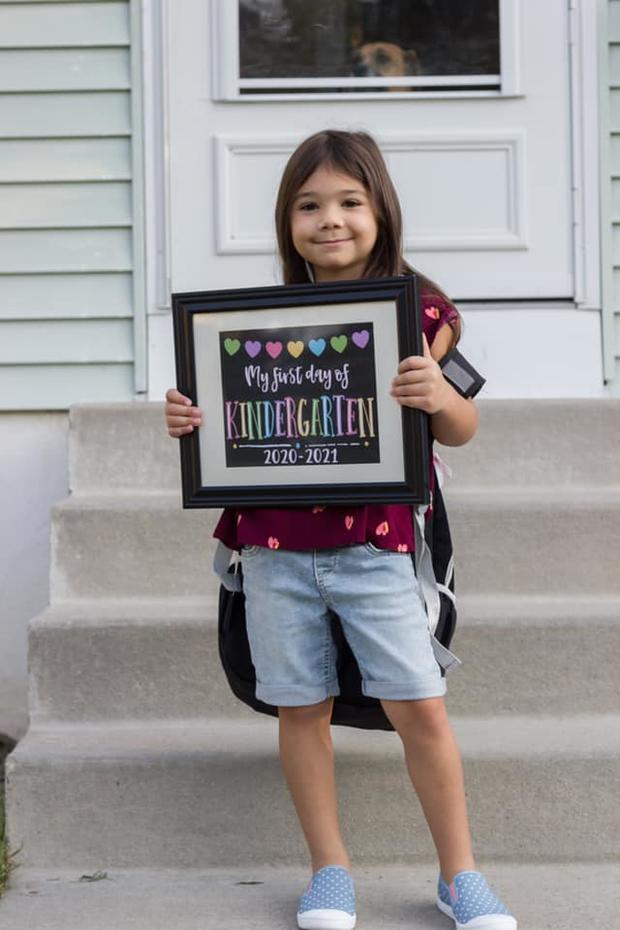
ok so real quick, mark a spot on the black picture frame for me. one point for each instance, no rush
(209, 332)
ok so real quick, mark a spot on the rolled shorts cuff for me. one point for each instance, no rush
(405, 691)
(296, 696)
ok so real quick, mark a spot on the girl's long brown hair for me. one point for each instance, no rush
(358, 155)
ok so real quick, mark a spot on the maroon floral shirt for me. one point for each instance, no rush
(386, 526)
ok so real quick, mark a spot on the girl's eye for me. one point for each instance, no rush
(351, 203)
(307, 206)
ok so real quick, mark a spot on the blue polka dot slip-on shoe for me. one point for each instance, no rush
(472, 905)
(328, 903)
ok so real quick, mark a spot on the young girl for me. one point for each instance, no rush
(338, 218)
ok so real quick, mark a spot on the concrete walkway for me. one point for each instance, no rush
(565, 897)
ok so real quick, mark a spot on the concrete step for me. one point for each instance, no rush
(204, 794)
(550, 896)
(533, 542)
(539, 541)
(121, 447)
(106, 659)
(519, 442)
(556, 443)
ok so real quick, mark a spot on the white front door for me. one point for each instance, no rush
(480, 154)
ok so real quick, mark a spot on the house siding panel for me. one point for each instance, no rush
(41, 206)
(80, 114)
(65, 160)
(67, 204)
(609, 72)
(614, 21)
(65, 296)
(56, 387)
(64, 69)
(36, 25)
(35, 342)
(77, 250)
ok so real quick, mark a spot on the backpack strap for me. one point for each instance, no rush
(221, 560)
(430, 589)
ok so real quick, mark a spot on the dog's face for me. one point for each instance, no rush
(384, 59)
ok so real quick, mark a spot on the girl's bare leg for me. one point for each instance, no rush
(436, 771)
(307, 758)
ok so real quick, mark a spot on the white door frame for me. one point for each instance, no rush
(586, 143)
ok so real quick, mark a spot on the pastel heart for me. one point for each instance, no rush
(361, 339)
(252, 348)
(317, 346)
(273, 543)
(318, 509)
(348, 522)
(232, 346)
(273, 348)
(402, 547)
(339, 343)
(295, 348)
(383, 529)
(433, 312)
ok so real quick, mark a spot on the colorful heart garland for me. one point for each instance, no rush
(295, 348)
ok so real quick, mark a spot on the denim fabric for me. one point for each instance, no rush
(374, 592)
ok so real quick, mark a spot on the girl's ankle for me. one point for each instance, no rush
(448, 874)
(322, 862)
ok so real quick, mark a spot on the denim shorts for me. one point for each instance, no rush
(289, 596)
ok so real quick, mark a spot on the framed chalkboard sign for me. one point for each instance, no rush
(293, 382)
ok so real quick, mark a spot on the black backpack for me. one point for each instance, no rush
(351, 707)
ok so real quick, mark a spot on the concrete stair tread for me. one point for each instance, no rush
(535, 609)
(126, 446)
(489, 737)
(211, 793)
(557, 543)
(550, 896)
(535, 497)
(499, 610)
(130, 499)
(518, 496)
(97, 612)
(94, 659)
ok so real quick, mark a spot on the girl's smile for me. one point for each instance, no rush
(333, 225)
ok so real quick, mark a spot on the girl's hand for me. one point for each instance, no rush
(420, 383)
(181, 417)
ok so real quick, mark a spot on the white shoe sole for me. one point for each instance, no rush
(488, 922)
(326, 919)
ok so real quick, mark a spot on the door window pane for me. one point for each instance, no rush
(368, 38)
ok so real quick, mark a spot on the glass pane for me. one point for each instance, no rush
(368, 38)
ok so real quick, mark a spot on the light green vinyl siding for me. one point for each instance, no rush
(58, 25)
(77, 250)
(610, 186)
(65, 296)
(65, 160)
(614, 83)
(48, 342)
(68, 276)
(63, 69)
(79, 114)
(41, 206)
